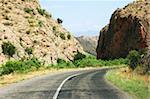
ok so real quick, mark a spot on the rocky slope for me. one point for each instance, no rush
(26, 25)
(89, 44)
(129, 29)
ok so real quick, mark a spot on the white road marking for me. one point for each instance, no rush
(59, 88)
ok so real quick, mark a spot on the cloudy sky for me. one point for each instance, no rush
(83, 17)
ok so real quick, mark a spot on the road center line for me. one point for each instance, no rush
(59, 88)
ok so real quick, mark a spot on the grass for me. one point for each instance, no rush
(134, 84)
(20, 66)
(88, 61)
(91, 61)
(17, 77)
(14, 71)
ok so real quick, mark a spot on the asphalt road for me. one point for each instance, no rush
(89, 84)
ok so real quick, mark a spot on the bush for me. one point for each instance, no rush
(40, 23)
(20, 66)
(60, 61)
(28, 10)
(29, 50)
(54, 28)
(79, 56)
(134, 59)
(59, 21)
(91, 61)
(8, 49)
(63, 64)
(41, 11)
(62, 36)
(69, 36)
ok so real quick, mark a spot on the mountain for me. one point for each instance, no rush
(88, 43)
(34, 33)
(129, 29)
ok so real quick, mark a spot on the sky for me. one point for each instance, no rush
(83, 17)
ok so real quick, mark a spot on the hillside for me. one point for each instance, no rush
(30, 28)
(88, 43)
(129, 29)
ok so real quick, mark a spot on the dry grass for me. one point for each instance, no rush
(14, 78)
(127, 73)
(133, 83)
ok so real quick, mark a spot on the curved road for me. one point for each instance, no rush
(90, 84)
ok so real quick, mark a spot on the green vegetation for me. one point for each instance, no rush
(82, 61)
(40, 23)
(43, 12)
(29, 50)
(79, 56)
(28, 10)
(138, 61)
(62, 36)
(91, 61)
(69, 36)
(8, 49)
(133, 85)
(54, 28)
(21, 66)
(134, 58)
(62, 64)
(59, 21)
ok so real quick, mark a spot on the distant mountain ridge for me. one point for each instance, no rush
(89, 43)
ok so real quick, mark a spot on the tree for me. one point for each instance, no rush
(8, 49)
(59, 21)
(134, 58)
(79, 56)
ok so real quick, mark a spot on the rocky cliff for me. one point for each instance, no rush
(129, 29)
(27, 26)
(89, 44)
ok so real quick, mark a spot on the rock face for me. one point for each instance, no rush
(129, 29)
(26, 25)
(89, 44)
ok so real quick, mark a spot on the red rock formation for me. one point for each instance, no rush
(129, 29)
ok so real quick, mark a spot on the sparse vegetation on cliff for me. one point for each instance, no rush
(8, 49)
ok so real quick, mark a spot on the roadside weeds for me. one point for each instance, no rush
(136, 85)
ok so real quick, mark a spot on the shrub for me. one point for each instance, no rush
(59, 21)
(40, 23)
(29, 50)
(62, 36)
(8, 49)
(60, 61)
(79, 56)
(69, 36)
(145, 63)
(41, 11)
(63, 64)
(20, 66)
(134, 59)
(91, 61)
(54, 28)
(28, 10)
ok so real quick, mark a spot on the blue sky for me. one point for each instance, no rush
(83, 17)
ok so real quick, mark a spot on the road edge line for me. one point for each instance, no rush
(61, 85)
